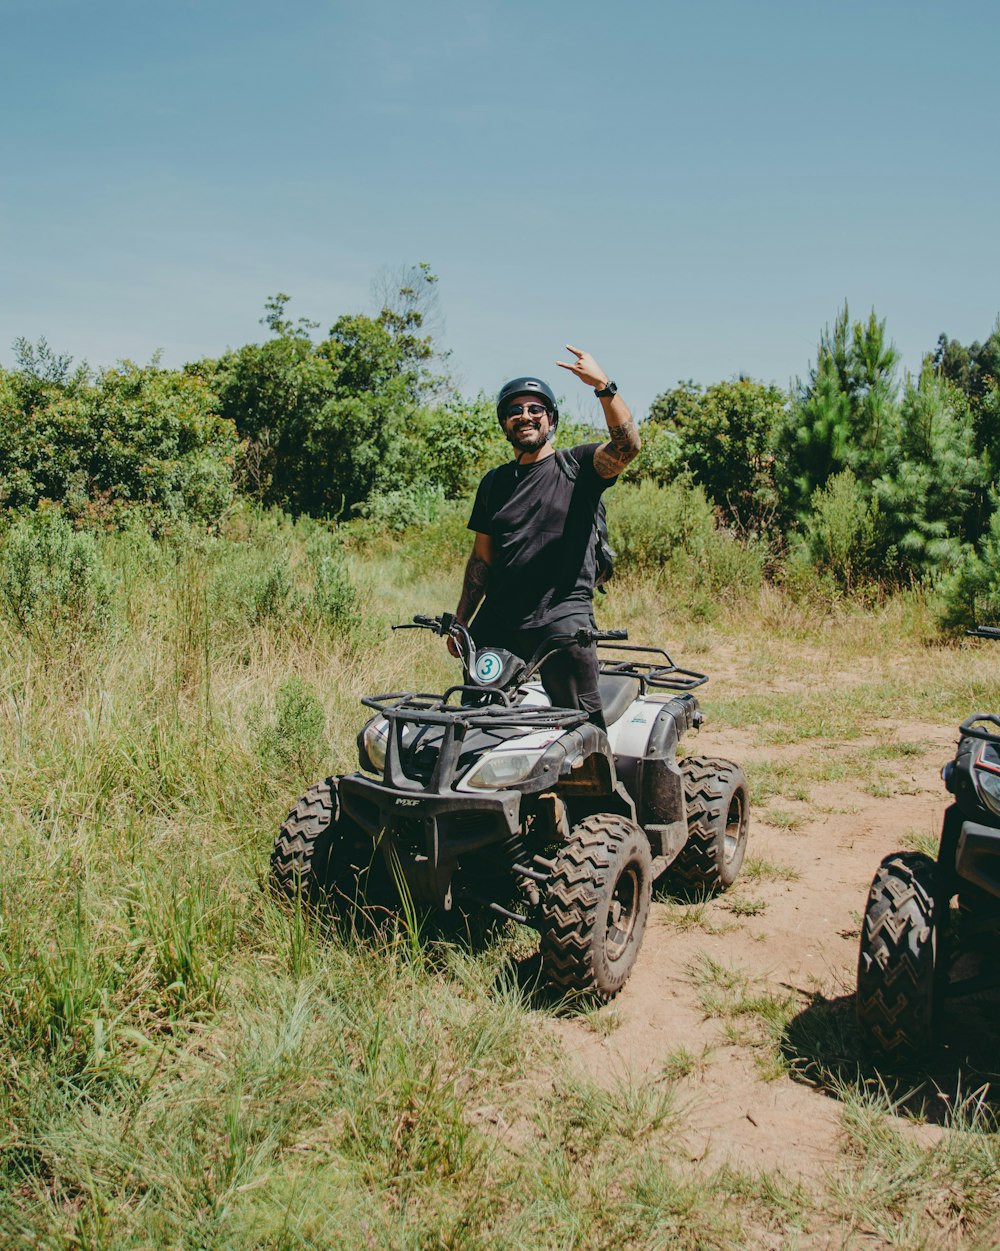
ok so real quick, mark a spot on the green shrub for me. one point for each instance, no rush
(840, 537)
(333, 598)
(247, 590)
(52, 577)
(662, 455)
(295, 739)
(650, 525)
(673, 528)
(452, 446)
(407, 506)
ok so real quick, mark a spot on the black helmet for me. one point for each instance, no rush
(528, 386)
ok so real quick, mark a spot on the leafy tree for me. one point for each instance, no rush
(724, 437)
(270, 392)
(325, 423)
(409, 308)
(453, 444)
(135, 437)
(974, 369)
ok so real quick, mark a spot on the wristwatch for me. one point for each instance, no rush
(607, 391)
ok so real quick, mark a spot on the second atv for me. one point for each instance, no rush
(487, 797)
(916, 949)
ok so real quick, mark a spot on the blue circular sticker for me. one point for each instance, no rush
(488, 667)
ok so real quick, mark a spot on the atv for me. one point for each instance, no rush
(916, 949)
(486, 798)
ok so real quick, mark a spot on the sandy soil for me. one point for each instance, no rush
(804, 941)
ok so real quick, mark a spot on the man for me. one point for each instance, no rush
(533, 557)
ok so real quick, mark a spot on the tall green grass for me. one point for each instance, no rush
(184, 1062)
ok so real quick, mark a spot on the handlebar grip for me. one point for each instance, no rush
(611, 635)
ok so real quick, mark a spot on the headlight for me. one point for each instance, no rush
(503, 768)
(375, 737)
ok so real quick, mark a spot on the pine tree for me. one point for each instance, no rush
(843, 416)
(927, 493)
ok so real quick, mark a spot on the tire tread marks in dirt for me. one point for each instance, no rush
(577, 954)
(895, 1002)
(710, 786)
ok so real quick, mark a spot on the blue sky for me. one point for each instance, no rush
(689, 191)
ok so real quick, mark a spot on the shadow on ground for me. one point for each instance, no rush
(824, 1048)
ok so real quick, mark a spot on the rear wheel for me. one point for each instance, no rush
(595, 910)
(717, 802)
(896, 963)
(321, 855)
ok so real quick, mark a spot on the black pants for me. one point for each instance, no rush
(569, 677)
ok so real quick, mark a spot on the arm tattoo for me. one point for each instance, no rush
(477, 577)
(622, 446)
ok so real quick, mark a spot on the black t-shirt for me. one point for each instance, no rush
(542, 526)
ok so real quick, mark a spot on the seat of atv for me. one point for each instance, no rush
(618, 690)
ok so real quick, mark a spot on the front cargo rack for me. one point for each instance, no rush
(973, 727)
(492, 710)
(661, 673)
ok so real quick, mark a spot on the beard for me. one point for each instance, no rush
(528, 438)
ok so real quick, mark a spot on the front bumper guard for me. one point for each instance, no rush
(424, 836)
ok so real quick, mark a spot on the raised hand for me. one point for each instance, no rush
(585, 368)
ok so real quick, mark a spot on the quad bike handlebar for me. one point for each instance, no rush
(448, 625)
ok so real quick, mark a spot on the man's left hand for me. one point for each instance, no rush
(585, 368)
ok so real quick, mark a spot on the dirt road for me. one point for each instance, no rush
(788, 937)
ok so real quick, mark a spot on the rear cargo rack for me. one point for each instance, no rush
(661, 673)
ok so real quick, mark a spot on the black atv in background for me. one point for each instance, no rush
(487, 798)
(916, 950)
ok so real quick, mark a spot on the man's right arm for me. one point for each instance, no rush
(477, 578)
(475, 582)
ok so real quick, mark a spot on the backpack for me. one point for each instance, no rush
(604, 553)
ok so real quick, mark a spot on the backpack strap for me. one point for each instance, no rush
(604, 553)
(568, 464)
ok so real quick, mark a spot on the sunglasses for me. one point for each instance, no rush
(533, 410)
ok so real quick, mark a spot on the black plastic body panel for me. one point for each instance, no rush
(977, 858)
(430, 832)
(961, 782)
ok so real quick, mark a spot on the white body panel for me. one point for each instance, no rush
(629, 735)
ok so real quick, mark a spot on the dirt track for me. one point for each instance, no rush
(805, 940)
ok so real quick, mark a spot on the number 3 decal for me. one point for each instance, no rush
(488, 667)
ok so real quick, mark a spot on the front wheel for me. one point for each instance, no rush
(896, 963)
(320, 855)
(717, 802)
(596, 906)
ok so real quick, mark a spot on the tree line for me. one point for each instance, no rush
(863, 477)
